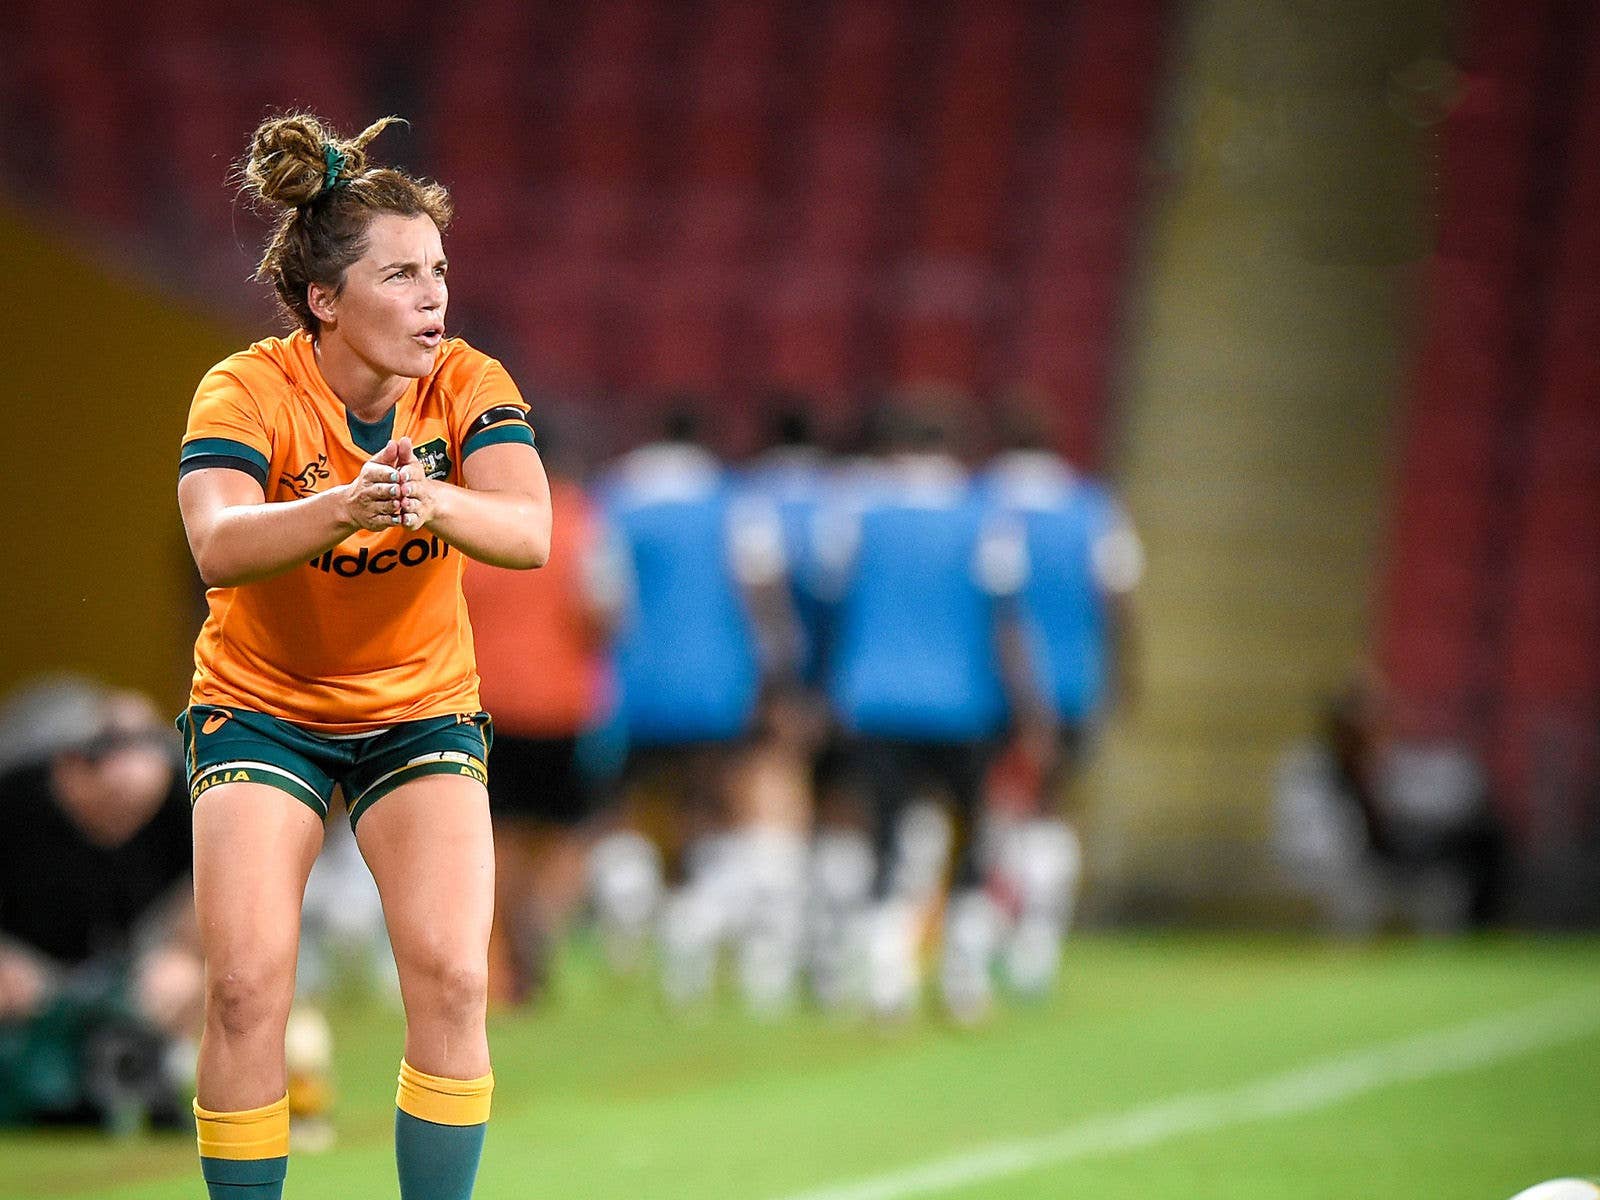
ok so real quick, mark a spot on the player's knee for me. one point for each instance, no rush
(457, 987)
(249, 997)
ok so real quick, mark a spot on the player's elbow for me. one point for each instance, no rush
(220, 567)
(522, 543)
(219, 575)
(531, 549)
(537, 550)
(214, 573)
(521, 558)
(537, 531)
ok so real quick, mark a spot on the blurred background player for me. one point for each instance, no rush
(792, 474)
(709, 627)
(843, 866)
(101, 981)
(916, 681)
(543, 640)
(1072, 648)
(794, 756)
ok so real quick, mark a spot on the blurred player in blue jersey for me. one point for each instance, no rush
(792, 477)
(1083, 561)
(792, 759)
(709, 626)
(924, 569)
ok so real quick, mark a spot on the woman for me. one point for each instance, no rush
(331, 484)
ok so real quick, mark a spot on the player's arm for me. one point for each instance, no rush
(761, 567)
(236, 537)
(502, 515)
(1001, 568)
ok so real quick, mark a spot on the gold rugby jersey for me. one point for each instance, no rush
(374, 631)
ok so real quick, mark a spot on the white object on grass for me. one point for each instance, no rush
(1561, 1189)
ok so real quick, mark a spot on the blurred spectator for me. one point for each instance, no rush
(1072, 647)
(1379, 829)
(916, 682)
(710, 627)
(543, 640)
(100, 973)
(1442, 833)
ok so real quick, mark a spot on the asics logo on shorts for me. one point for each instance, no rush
(216, 721)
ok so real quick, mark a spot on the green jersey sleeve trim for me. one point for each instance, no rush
(509, 431)
(223, 452)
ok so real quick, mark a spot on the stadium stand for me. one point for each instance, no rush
(1489, 631)
(1550, 682)
(654, 195)
(1439, 537)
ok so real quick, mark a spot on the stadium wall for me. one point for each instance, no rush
(98, 374)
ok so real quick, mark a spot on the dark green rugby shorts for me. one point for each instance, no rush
(233, 745)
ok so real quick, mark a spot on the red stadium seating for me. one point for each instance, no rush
(1069, 300)
(723, 194)
(1440, 541)
(1491, 608)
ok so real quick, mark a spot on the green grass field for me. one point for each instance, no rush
(1452, 1071)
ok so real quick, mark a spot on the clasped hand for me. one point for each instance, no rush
(392, 489)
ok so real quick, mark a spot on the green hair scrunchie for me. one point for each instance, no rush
(337, 160)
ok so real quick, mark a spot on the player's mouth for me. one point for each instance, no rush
(429, 337)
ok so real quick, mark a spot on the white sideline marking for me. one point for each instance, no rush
(1426, 1056)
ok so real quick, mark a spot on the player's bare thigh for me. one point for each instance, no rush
(429, 847)
(253, 850)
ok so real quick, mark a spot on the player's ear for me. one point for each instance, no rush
(321, 301)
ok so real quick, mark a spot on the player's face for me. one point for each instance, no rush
(391, 309)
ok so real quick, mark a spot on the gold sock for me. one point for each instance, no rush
(253, 1133)
(444, 1101)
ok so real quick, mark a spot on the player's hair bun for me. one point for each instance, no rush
(296, 158)
(323, 195)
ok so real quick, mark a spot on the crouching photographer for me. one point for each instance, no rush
(100, 975)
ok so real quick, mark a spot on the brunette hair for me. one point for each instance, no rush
(329, 194)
